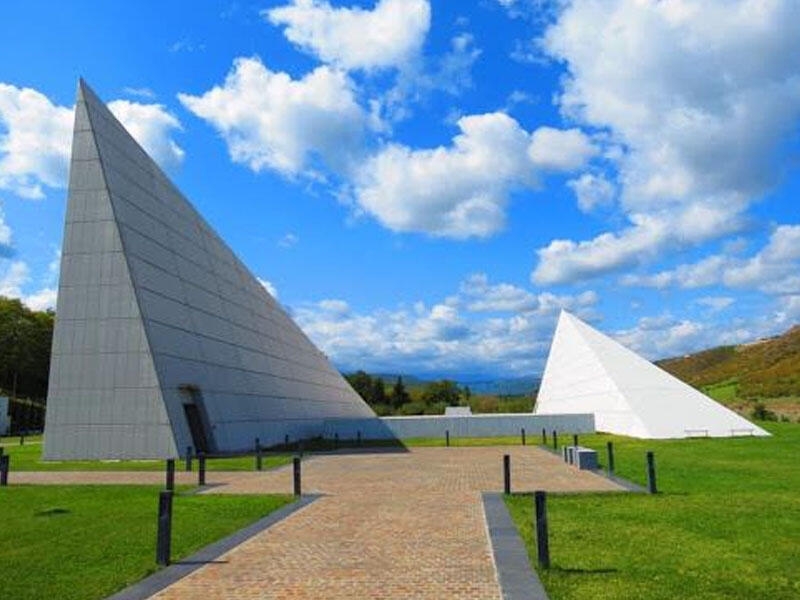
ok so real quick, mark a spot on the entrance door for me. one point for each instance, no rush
(199, 437)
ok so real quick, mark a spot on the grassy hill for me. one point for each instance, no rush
(766, 371)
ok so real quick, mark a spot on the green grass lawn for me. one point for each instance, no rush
(725, 525)
(29, 458)
(85, 542)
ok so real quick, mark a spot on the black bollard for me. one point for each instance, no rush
(5, 463)
(544, 436)
(201, 468)
(259, 457)
(286, 440)
(506, 474)
(575, 440)
(447, 438)
(555, 440)
(188, 459)
(610, 449)
(164, 537)
(651, 473)
(297, 482)
(542, 541)
(171, 474)
(523, 436)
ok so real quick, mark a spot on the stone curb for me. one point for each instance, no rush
(156, 582)
(518, 580)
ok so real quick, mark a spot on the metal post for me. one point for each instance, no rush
(5, 461)
(610, 448)
(575, 439)
(544, 436)
(171, 474)
(201, 468)
(555, 440)
(542, 541)
(188, 459)
(523, 436)
(164, 538)
(651, 473)
(259, 457)
(297, 482)
(447, 437)
(506, 474)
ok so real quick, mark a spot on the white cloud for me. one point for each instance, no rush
(456, 191)
(716, 303)
(142, 92)
(774, 269)
(12, 280)
(592, 191)
(560, 150)
(271, 121)
(389, 35)
(5, 234)
(788, 310)
(268, 285)
(451, 336)
(35, 147)
(44, 299)
(455, 67)
(288, 240)
(699, 95)
(151, 125)
(480, 295)
(564, 261)
(664, 336)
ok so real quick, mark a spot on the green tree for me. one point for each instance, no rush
(25, 340)
(399, 394)
(443, 391)
(378, 394)
(361, 382)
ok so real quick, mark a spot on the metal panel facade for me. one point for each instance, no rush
(151, 299)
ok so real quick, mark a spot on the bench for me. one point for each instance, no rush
(583, 458)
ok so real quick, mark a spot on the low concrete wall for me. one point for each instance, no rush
(494, 425)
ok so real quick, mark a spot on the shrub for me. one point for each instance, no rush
(762, 413)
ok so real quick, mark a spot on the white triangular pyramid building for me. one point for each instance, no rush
(588, 372)
(164, 341)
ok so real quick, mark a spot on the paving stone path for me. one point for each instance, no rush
(390, 525)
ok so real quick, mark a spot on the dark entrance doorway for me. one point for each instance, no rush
(197, 419)
(198, 431)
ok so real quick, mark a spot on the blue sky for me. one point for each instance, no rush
(426, 184)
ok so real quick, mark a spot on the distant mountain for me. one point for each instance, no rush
(767, 368)
(516, 386)
(513, 386)
(408, 380)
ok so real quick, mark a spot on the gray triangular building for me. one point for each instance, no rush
(163, 339)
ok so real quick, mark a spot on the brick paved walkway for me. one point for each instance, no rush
(401, 525)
